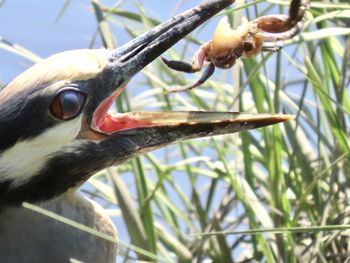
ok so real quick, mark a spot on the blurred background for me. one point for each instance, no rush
(274, 194)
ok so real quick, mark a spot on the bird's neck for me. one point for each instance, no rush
(26, 229)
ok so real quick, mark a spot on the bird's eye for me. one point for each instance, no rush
(67, 104)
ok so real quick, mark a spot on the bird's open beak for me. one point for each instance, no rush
(155, 129)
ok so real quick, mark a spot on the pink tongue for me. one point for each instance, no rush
(101, 112)
(107, 123)
(112, 124)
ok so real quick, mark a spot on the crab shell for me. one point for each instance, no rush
(227, 43)
(253, 42)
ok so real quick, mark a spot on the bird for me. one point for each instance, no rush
(56, 132)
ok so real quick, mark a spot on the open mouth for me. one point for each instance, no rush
(106, 122)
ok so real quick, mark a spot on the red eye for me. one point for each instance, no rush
(67, 104)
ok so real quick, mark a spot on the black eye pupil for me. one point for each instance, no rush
(67, 104)
(71, 103)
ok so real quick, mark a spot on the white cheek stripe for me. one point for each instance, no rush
(27, 157)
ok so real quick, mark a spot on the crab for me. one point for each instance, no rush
(247, 40)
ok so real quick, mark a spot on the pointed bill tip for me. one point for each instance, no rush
(152, 130)
(248, 121)
(263, 119)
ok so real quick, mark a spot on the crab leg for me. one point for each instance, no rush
(273, 37)
(205, 76)
(273, 48)
(179, 65)
(283, 23)
(197, 61)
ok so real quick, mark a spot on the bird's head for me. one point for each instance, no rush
(55, 129)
